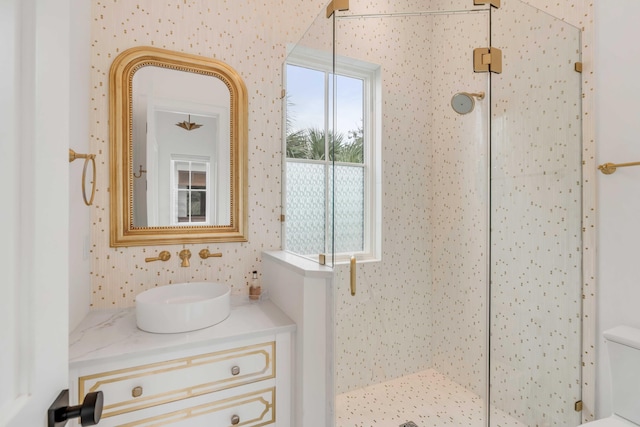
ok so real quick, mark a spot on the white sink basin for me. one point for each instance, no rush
(182, 307)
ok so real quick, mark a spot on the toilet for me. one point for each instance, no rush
(623, 346)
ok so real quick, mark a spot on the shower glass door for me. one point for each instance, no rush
(411, 345)
(470, 313)
(309, 144)
(536, 214)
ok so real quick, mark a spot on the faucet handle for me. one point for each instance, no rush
(204, 254)
(162, 256)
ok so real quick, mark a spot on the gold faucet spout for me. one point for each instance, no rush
(185, 254)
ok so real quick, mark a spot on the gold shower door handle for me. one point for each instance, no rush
(353, 276)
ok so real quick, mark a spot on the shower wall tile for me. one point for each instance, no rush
(251, 36)
(536, 267)
(408, 6)
(458, 211)
(432, 208)
(385, 330)
(580, 13)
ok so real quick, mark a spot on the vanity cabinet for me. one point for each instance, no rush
(208, 377)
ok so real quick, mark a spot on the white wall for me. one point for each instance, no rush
(79, 213)
(618, 141)
(34, 134)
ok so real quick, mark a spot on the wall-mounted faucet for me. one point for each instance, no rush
(185, 254)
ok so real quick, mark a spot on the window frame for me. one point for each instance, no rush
(372, 141)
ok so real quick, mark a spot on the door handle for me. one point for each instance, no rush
(353, 275)
(89, 412)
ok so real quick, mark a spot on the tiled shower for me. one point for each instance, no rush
(479, 286)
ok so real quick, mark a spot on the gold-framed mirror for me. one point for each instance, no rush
(178, 152)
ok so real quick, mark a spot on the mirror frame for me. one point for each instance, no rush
(122, 231)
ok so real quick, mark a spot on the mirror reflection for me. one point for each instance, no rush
(181, 149)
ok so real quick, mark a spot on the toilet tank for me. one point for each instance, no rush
(623, 346)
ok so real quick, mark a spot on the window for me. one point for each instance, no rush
(319, 152)
(190, 199)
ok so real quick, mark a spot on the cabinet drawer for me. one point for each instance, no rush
(143, 386)
(252, 409)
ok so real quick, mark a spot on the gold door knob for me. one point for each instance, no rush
(235, 420)
(136, 392)
(235, 370)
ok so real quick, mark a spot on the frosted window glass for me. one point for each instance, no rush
(349, 209)
(305, 222)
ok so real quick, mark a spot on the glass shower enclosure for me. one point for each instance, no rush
(462, 200)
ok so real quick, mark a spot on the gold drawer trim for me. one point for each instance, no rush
(174, 365)
(207, 408)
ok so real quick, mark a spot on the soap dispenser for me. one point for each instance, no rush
(255, 289)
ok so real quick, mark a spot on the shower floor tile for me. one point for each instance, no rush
(427, 398)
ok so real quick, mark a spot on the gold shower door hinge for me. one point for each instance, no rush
(337, 5)
(578, 406)
(487, 59)
(494, 3)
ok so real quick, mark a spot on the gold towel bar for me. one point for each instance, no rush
(609, 168)
(72, 156)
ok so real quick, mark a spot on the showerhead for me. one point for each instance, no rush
(463, 102)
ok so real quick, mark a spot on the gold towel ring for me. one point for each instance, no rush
(72, 156)
(91, 157)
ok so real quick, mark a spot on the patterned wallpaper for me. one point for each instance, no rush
(251, 36)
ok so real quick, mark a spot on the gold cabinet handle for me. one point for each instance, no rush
(136, 392)
(235, 420)
(162, 256)
(353, 276)
(204, 254)
(235, 370)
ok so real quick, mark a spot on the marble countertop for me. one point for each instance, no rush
(109, 334)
